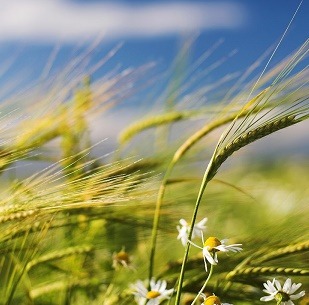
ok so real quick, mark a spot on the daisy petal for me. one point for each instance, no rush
(205, 262)
(294, 288)
(208, 256)
(287, 285)
(267, 298)
(183, 222)
(297, 296)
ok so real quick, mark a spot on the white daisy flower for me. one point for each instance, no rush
(154, 296)
(212, 300)
(212, 245)
(184, 230)
(283, 295)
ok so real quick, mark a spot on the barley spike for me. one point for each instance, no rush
(248, 138)
(247, 272)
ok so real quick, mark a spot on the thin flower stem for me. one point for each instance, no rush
(204, 183)
(205, 284)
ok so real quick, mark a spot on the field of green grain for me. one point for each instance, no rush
(83, 223)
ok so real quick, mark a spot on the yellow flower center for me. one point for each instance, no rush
(212, 300)
(122, 256)
(211, 243)
(152, 294)
(282, 296)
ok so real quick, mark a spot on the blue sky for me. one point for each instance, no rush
(150, 30)
(31, 31)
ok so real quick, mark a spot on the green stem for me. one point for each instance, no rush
(279, 298)
(205, 284)
(156, 218)
(198, 201)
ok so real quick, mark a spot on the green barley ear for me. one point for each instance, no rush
(17, 252)
(59, 254)
(58, 225)
(282, 252)
(155, 121)
(74, 131)
(288, 97)
(251, 272)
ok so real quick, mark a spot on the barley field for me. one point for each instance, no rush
(193, 202)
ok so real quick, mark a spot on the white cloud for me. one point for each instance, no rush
(68, 21)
